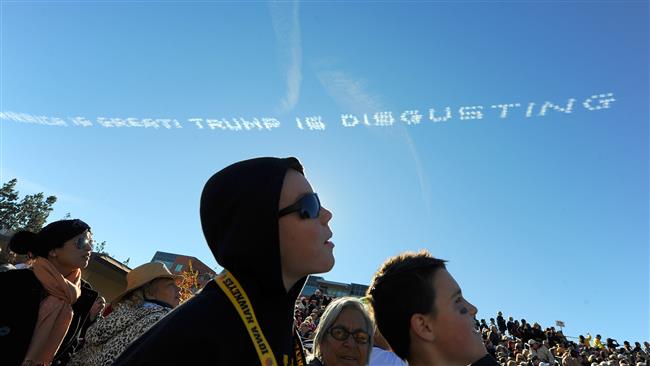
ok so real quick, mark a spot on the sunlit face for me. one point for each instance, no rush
(347, 352)
(304, 243)
(167, 291)
(456, 338)
(70, 256)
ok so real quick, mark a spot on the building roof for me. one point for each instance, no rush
(197, 264)
(110, 261)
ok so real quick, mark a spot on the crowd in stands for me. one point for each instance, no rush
(512, 342)
(515, 343)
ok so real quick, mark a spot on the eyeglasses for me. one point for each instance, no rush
(83, 241)
(341, 334)
(308, 207)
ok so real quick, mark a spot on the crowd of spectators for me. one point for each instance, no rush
(518, 343)
(308, 312)
(513, 342)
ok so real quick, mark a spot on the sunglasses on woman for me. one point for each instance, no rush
(83, 241)
(308, 207)
(340, 333)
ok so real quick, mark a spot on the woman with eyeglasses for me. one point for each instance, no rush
(46, 305)
(344, 335)
(267, 229)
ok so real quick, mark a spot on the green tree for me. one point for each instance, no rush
(29, 214)
(100, 247)
(8, 203)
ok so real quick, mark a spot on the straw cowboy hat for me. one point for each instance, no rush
(141, 275)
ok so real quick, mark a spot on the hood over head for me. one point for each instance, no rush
(239, 217)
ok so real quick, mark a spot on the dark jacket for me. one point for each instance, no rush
(239, 216)
(19, 312)
(501, 323)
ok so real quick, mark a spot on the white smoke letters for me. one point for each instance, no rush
(409, 117)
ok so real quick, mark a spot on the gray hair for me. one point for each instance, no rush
(332, 312)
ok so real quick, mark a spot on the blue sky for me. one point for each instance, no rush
(543, 216)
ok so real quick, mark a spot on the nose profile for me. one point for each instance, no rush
(472, 309)
(326, 215)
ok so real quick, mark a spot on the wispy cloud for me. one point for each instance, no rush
(422, 178)
(353, 96)
(349, 93)
(286, 24)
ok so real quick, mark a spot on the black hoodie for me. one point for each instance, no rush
(239, 216)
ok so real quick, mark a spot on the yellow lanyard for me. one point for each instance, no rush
(237, 296)
(239, 300)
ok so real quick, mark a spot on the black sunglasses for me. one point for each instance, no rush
(308, 207)
(341, 334)
(83, 241)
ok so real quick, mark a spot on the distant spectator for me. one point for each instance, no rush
(305, 329)
(29, 256)
(525, 331)
(626, 346)
(316, 296)
(536, 332)
(612, 344)
(326, 300)
(541, 351)
(501, 323)
(313, 304)
(516, 330)
(597, 342)
(301, 303)
(494, 336)
(510, 325)
(484, 325)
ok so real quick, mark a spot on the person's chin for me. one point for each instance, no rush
(331, 261)
(325, 265)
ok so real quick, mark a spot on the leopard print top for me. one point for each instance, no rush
(110, 336)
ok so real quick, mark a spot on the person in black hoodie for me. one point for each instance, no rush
(265, 226)
(45, 306)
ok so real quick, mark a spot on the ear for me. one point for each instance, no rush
(422, 327)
